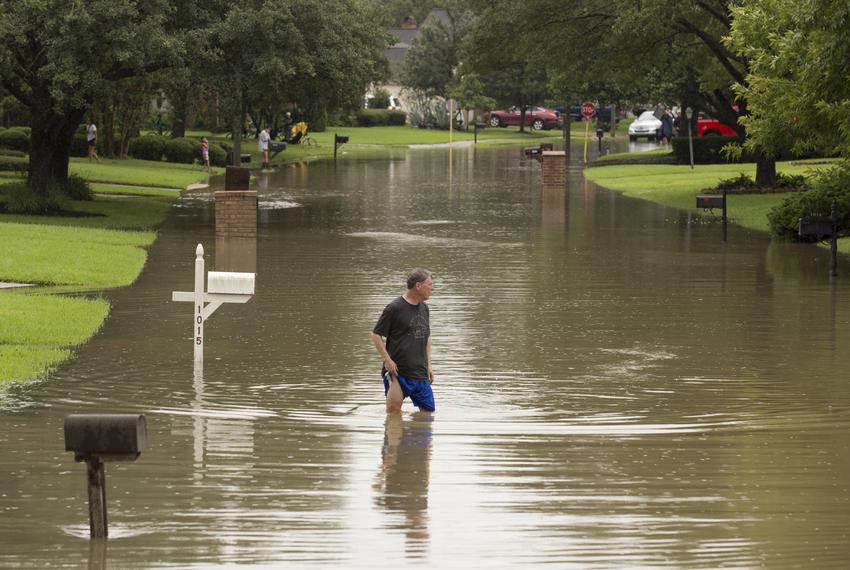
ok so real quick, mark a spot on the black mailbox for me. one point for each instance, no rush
(815, 226)
(277, 145)
(480, 125)
(106, 436)
(600, 133)
(340, 139)
(532, 151)
(709, 202)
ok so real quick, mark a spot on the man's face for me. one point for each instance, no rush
(424, 289)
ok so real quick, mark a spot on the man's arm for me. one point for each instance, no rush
(430, 369)
(389, 364)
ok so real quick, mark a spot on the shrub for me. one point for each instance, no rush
(149, 147)
(228, 147)
(319, 124)
(15, 138)
(707, 150)
(10, 152)
(21, 200)
(79, 146)
(745, 182)
(380, 117)
(218, 156)
(77, 188)
(182, 150)
(380, 99)
(832, 184)
(13, 164)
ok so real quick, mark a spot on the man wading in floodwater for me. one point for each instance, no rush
(407, 368)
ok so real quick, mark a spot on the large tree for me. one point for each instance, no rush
(797, 84)
(59, 57)
(623, 43)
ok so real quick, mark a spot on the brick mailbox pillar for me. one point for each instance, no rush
(554, 167)
(236, 207)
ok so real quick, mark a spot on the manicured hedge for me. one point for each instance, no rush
(218, 156)
(182, 150)
(13, 164)
(16, 138)
(707, 150)
(149, 147)
(380, 117)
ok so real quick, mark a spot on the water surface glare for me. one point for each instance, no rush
(615, 388)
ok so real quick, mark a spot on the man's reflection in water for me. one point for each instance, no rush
(402, 485)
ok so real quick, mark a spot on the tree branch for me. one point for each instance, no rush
(721, 17)
(723, 56)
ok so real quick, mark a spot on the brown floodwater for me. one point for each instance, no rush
(615, 387)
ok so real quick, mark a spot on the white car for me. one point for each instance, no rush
(646, 125)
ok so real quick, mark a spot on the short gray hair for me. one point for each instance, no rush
(418, 275)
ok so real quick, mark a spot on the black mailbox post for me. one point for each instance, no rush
(821, 227)
(475, 130)
(711, 201)
(95, 439)
(339, 140)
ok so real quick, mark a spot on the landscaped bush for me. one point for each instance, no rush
(13, 164)
(380, 99)
(77, 188)
(707, 150)
(228, 147)
(182, 150)
(218, 156)
(10, 152)
(21, 200)
(833, 184)
(380, 117)
(15, 138)
(745, 183)
(149, 147)
(79, 146)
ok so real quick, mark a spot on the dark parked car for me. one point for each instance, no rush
(538, 118)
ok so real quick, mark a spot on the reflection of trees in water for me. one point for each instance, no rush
(402, 482)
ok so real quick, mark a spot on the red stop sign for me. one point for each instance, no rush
(588, 110)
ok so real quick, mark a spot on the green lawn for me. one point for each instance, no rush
(86, 253)
(676, 186)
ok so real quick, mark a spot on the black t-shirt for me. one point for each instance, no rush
(406, 328)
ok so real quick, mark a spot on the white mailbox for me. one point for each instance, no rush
(222, 287)
(230, 283)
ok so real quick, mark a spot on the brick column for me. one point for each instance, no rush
(236, 214)
(554, 167)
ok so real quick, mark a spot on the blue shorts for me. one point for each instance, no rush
(419, 391)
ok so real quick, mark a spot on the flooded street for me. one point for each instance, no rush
(615, 387)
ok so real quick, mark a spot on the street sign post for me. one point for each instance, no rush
(588, 110)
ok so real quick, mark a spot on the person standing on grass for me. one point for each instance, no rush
(264, 146)
(205, 154)
(405, 323)
(91, 139)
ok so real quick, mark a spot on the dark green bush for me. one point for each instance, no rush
(15, 138)
(707, 150)
(149, 147)
(13, 164)
(228, 147)
(21, 200)
(77, 188)
(10, 152)
(182, 150)
(833, 184)
(380, 99)
(785, 182)
(218, 156)
(319, 124)
(380, 117)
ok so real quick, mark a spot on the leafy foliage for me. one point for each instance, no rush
(15, 139)
(182, 150)
(77, 188)
(832, 184)
(380, 117)
(149, 147)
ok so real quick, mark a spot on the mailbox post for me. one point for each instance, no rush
(475, 130)
(96, 439)
(710, 201)
(599, 134)
(339, 140)
(223, 287)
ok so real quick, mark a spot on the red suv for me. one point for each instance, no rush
(538, 118)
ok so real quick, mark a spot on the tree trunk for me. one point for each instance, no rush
(522, 120)
(765, 170)
(613, 120)
(238, 124)
(50, 146)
